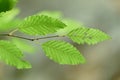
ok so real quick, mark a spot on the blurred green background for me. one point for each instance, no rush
(103, 59)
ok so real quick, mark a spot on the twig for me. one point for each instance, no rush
(30, 39)
(47, 37)
(13, 31)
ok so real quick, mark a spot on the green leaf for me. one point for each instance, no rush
(71, 24)
(40, 25)
(7, 20)
(10, 54)
(53, 14)
(23, 45)
(6, 5)
(87, 35)
(63, 52)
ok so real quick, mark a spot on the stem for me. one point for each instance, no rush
(13, 31)
(47, 37)
(30, 39)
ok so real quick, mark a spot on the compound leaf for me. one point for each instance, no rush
(62, 52)
(87, 35)
(40, 25)
(10, 54)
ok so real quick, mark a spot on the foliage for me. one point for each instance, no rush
(6, 5)
(23, 45)
(41, 25)
(12, 55)
(62, 52)
(7, 20)
(87, 35)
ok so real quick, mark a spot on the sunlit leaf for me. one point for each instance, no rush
(87, 35)
(40, 25)
(11, 55)
(7, 20)
(62, 52)
(53, 14)
(71, 24)
(23, 45)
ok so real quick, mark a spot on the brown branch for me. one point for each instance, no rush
(30, 39)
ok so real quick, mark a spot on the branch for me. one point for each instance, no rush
(30, 39)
